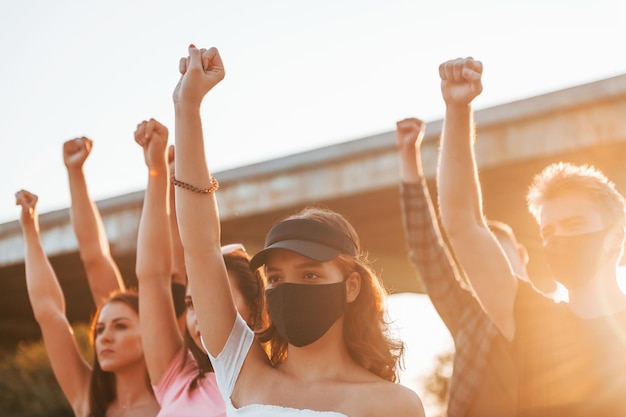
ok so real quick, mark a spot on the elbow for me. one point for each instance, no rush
(463, 231)
(454, 222)
(46, 313)
(92, 257)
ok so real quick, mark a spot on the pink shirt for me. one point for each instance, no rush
(173, 393)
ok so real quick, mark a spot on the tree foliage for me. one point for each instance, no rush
(437, 384)
(28, 387)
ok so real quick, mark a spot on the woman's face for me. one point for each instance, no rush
(117, 337)
(240, 300)
(192, 322)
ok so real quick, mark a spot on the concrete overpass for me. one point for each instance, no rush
(582, 124)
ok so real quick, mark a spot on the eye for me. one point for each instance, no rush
(574, 225)
(273, 279)
(121, 326)
(99, 330)
(309, 276)
(189, 304)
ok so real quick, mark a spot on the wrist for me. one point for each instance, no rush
(459, 107)
(29, 228)
(158, 169)
(74, 169)
(183, 107)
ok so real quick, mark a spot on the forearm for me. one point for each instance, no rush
(199, 225)
(154, 260)
(192, 168)
(86, 219)
(179, 271)
(411, 170)
(102, 273)
(459, 193)
(44, 291)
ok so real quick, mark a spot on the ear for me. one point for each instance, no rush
(353, 286)
(615, 239)
(523, 253)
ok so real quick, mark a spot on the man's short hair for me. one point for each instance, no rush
(564, 176)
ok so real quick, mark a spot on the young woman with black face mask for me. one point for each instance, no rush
(342, 363)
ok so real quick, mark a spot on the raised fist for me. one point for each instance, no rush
(460, 80)
(28, 201)
(200, 71)
(76, 151)
(152, 136)
(409, 133)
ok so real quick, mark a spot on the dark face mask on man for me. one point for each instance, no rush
(574, 260)
(302, 313)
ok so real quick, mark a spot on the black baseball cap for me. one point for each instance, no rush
(310, 238)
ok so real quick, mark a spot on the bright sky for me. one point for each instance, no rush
(300, 74)
(425, 337)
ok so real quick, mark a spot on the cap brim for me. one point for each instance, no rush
(312, 250)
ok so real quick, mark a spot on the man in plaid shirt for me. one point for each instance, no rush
(484, 381)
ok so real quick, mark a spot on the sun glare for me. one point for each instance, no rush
(621, 278)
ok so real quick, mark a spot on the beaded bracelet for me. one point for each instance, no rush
(213, 188)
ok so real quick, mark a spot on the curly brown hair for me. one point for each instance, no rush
(366, 331)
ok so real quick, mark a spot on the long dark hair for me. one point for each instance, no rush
(102, 390)
(251, 286)
(365, 333)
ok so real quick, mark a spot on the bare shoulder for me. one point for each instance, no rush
(391, 399)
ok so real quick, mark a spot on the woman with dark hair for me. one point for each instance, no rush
(178, 365)
(330, 351)
(117, 385)
(364, 324)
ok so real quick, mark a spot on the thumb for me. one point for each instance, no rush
(474, 79)
(150, 127)
(471, 75)
(87, 143)
(213, 58)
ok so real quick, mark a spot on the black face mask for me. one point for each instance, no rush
(302, 313)
(574, 260)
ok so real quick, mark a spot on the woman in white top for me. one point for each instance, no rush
(329, 371)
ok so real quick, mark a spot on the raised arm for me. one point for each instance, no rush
(196, 207)
(428, 252)
(102, 272)
(179, 271)
(460, 200)
(160, 335)
(409, 136)
(48, 304)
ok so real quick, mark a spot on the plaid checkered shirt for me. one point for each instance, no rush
(471, 329)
